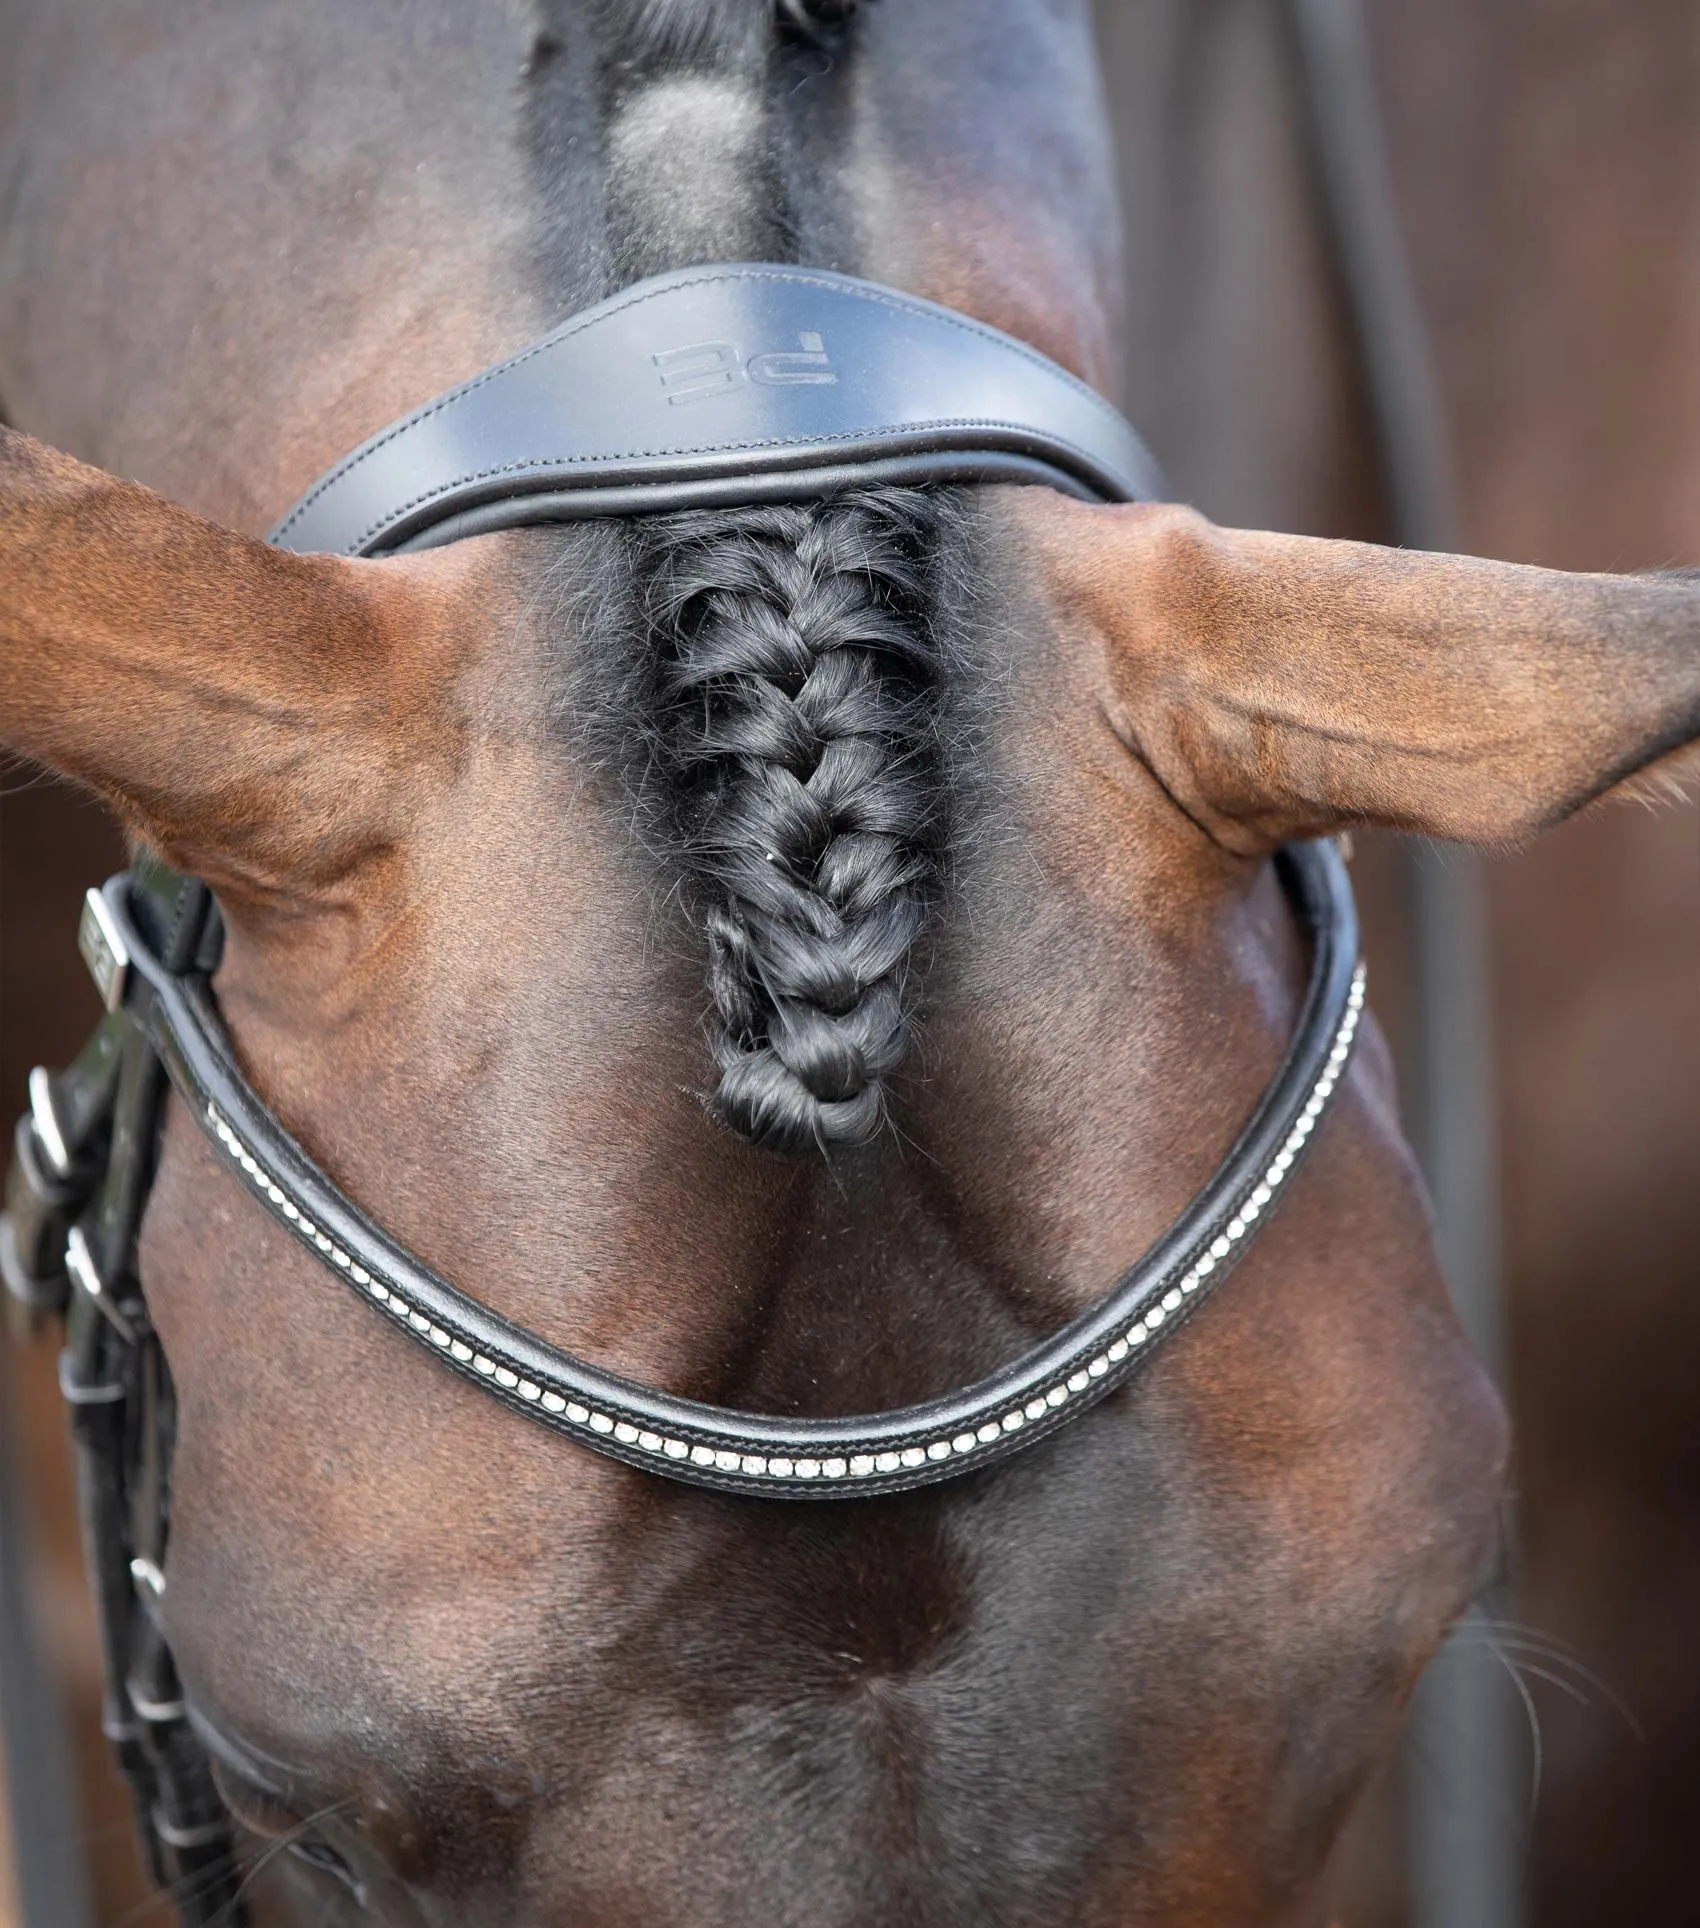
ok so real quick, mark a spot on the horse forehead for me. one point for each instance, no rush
(452, 208)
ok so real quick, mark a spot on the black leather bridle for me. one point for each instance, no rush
(718, 385)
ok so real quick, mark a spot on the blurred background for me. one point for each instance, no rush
(1544, 171)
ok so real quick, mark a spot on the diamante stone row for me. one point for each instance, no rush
(855, 1465)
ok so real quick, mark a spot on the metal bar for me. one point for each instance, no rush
(1464, 1766)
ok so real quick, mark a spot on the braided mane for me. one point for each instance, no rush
(798, 687)
(786, 703)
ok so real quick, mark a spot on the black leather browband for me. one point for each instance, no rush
(732, 384)
(749, 1452)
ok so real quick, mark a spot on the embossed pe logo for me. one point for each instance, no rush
(710, 368)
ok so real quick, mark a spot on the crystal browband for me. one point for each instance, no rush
(711, 1446)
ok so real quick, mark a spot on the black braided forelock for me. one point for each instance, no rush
(799, 688)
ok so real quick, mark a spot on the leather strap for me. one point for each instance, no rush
(750, 1452)
(727, 384)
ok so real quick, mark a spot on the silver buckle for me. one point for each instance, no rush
(79, 1262)
(148, 1577)
(104, 950)
(45, 1121)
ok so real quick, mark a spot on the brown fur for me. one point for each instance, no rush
(1281, 686)
(261, 718)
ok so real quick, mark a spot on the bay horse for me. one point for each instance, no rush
(468, 1673)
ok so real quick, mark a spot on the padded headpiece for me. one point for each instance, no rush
(724, 385)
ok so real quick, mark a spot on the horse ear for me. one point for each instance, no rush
(1283, 686)
(239, 707)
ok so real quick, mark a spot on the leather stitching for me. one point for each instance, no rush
(538, 464)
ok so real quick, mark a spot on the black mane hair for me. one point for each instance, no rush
(684, 32)
(794, 733)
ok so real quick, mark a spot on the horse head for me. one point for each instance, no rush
(791, 955)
